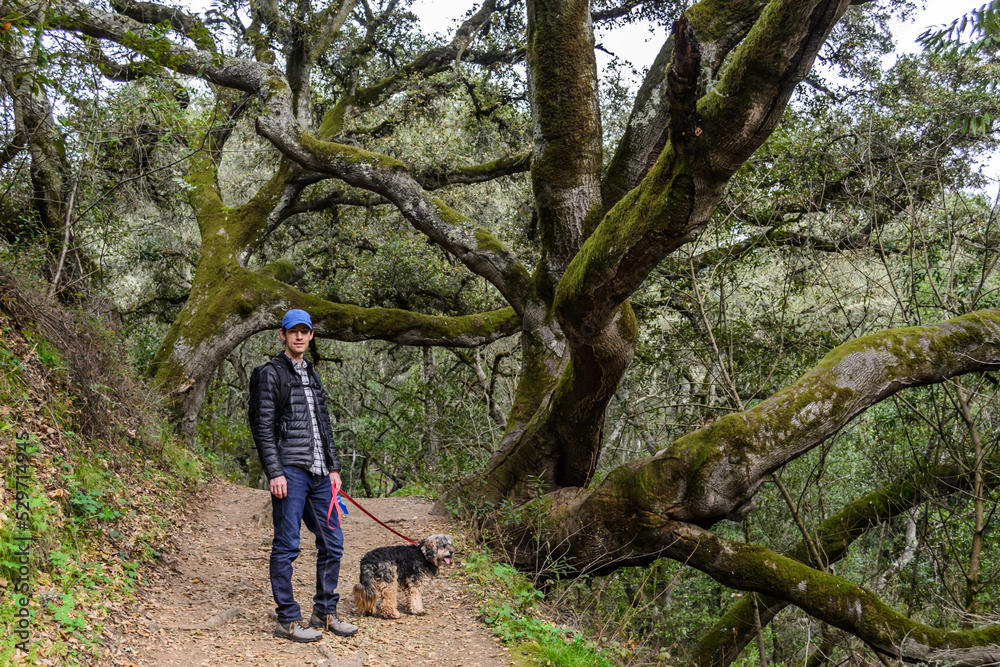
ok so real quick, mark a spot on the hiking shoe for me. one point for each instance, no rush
(332, 623)
(297, 632)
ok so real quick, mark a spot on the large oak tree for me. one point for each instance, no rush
(715, 93)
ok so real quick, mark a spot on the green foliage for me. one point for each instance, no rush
(971, 38)
(975, 32)
(415, 490)
(511, 606)
(384, 406)
(223, 436)
(98, 508)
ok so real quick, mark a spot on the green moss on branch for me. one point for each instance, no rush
(832, 599)
(722, 644)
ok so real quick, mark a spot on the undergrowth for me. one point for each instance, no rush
(514, 609)
(100, 475)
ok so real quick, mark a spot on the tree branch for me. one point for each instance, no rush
(441, 176)
(830, 598)
(721, 645)
(474, 246)
(110, 69)
(617, 12)
(430, 179)
(677, 197)
(152, 13)
(426, 64)
(353, 323)
(338, 197)
(746, 105)
(566, 171)
(714, 472)
(716, 30)
(331, 27)
(847, 381)
(255, 301)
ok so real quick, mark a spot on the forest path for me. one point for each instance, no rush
(221, 564)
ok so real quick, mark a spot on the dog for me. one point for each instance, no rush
(388, 569)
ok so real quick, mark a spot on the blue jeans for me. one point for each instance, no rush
(308, 500)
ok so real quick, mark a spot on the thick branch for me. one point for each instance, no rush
(717, 29)
(562, 429)
(645, 132)
(247, 76)
(507, 56)
(352, 323)
(565, 174)
(259, 299)
(744, 448)
(617, 12)
(678, 196)
(430, 179)
(439, 177)
(153, 13)
(714, 472)
(474, 246)
(750, 98)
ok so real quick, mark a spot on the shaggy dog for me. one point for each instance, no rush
(385, 568)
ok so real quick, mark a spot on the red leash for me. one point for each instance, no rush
(333, 501)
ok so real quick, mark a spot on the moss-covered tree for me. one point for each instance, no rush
(716, 92)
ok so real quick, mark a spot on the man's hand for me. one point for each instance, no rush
(279, 487)
(335, 482)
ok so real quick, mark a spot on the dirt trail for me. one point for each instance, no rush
(221, 565)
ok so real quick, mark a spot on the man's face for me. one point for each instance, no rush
(297, 338)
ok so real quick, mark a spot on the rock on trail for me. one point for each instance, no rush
(210, 602)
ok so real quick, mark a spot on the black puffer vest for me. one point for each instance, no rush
(283, 434)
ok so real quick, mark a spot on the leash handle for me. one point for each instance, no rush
(340, 516)
(333, 501)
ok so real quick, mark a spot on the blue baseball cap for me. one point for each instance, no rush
(296, 316)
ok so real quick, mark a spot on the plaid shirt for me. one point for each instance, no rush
(319, 460)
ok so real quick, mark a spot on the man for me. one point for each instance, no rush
(291, 429)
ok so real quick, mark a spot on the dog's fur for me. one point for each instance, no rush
(385, 569)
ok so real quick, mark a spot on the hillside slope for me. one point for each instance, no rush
(93, 481)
